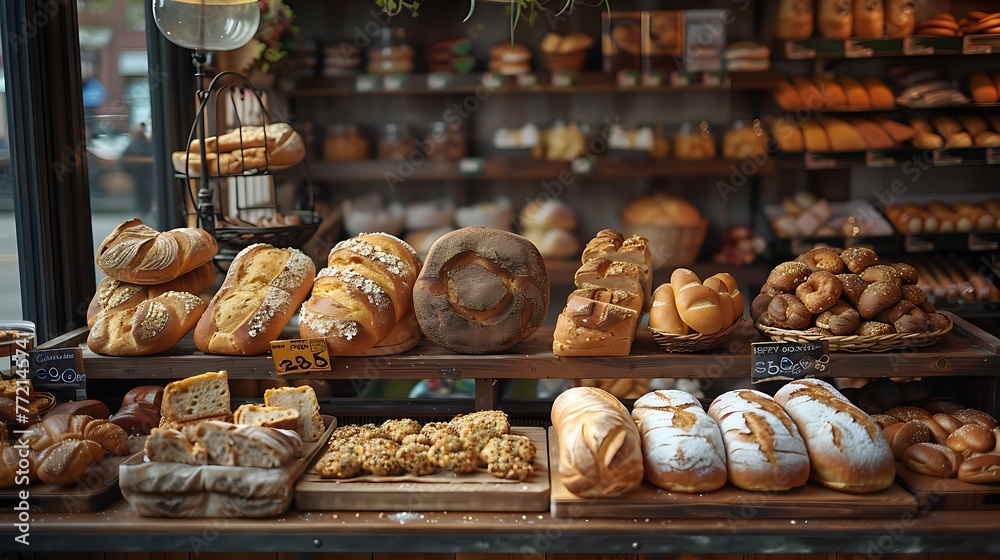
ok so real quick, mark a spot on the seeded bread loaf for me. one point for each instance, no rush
(302, 399)
(764, 450)
(846, 450)
(153, 326)
(263, 289)
(195, 398)
(137, 253)
(114, 295)
(681, 444)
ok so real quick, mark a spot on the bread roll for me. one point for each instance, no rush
(681, 444)
(980, 469)
(262, 290)
(845, 448)
(869, 19)
(600, 450)
(788, 135)
(733, 289)
(587, 327)
(65, 461)
(857, 94)
(553, 243)
(899, 132)
(874, 136)
(548, 213)
(904, 435)
(834, 19)
(137, 418)
(764, 450)
(697, 304)
(971, 438)
(880, 94)
(663, 316)
(153, 326)
(787, 96)
(481, 290)
(138, 254)
(794, 20)
(815, 137)
(900, 18)
(932, 459)
(843, 136)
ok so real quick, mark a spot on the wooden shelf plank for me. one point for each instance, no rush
(955, 354)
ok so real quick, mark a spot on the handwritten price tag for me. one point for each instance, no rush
(59, 371)
(770, 361)
(300, 355)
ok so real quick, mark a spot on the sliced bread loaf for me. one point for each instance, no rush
(201, 396)
(303, 399)
(266, 416)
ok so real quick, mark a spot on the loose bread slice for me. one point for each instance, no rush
(263, 447)
(266, 416)
(214, 437)
(201, 396)
(171, 446)
(303, 399)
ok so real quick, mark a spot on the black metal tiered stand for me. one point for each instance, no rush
(234, 233)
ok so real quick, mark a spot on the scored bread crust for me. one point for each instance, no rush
(587, 327)
(114, 295)
(682, 445)
(137, 253)
(600, 450)
(764, 450)
(846, 450)
(152, 326)
(481, 290)
(263, 288)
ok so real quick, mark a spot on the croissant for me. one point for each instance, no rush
(65, 461)
(62, 427)
(137, 253)
(359, 298)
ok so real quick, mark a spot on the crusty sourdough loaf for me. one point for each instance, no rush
(846, 450)
(362, 295)
(600, 451)
(589, 327)
(303, 400)
(764, 450)
(137, 253)
(611, 245)
(681, 444)
(171, 446)
(245, 446)
(266, 416)
(481, 290)
(152, 326)
(198, 397)
(263, 289)
(114, 295)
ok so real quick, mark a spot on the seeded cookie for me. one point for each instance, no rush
(412, 457)
(396, 430)
(378, 456)
(509, 456)
(478, 428)
(341, 463)
(452, 454)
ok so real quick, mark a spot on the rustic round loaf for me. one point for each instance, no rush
(481, 290)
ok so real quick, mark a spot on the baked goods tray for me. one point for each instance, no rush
(948, 493)
(94, 491)
(733, 504)
(859, 343)
(179, 490)
(479, 491)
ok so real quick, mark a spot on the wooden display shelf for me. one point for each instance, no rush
(535, 83)
(120, 529)
(514, 169)
(967, 350)
(941, 157)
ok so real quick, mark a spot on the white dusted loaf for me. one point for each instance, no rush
(599, 445)
(682, 445)
(845, 446)
(764, 450)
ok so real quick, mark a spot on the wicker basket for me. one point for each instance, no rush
(858, 343)
(694, 342)
(565, 62)
(671, 246)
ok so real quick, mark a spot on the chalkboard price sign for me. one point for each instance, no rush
(59, 371)
(772, 361)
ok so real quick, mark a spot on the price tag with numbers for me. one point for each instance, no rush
(59, 371)
(771, 361)
(300, 355)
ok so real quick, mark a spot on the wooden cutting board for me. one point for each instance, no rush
(812, 501)
(948, 493)
(477, 491)
(95, 490)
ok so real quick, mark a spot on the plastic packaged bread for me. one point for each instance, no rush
(263, 289)
(600, 452)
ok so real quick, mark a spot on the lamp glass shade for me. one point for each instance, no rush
(215, 25)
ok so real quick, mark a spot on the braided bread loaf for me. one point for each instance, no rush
(114, 295)
(61, 427)
(137, 253)
(262, 290)
(363, 294)
(152, 326)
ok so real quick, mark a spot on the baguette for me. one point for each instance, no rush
(152, 326)
(681, 444)
(263, 288)
(846, 450)
(764, 450)
(600, 451)
(139, 254)
(697, 304)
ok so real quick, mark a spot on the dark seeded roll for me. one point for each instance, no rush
(937, 322)
(853, 287)
(841, 319)
(787, 312)
(907, 273)
(858, 258)
(758, 306)
(788, 275)
(882, 273)
(822, 258)
(481, 290)
(876, 297)
(913, 294)
(874, 328)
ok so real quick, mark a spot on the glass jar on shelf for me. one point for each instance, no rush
(344, 142)
(694, 140)
(395, 142)
(448, 141)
